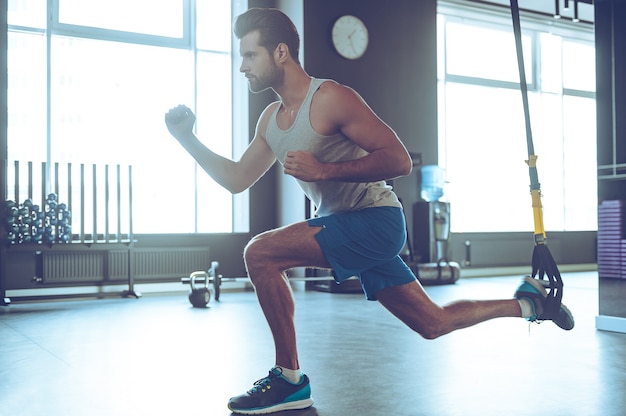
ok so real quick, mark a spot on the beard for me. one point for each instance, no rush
(273, 76)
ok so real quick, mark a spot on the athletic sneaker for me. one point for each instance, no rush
(273, 393)
(536, 293)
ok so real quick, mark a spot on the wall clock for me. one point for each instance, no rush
(350, 37)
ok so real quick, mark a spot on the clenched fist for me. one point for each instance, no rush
(304, 166)
(180, 121)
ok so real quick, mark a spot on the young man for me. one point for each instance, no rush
(341, 153)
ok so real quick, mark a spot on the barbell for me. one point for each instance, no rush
(199, 281)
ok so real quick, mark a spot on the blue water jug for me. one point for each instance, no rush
(432, 183)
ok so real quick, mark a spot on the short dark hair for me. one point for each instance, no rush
(274, 27)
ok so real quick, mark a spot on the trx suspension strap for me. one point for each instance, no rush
(543, 265)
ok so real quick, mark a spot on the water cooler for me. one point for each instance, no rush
(431, 231)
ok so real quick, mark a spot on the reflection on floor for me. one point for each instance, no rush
(158, 356)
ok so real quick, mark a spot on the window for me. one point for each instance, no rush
(163, 18)
(482, 136)
(90, 86)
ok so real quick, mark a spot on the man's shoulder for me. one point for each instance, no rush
(329, 85)
(331, 91)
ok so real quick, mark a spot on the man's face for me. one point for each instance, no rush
(258, 64)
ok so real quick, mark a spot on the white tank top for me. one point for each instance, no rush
(329, 197)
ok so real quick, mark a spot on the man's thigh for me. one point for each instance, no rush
(290, 246)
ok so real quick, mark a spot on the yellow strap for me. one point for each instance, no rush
(540, 233)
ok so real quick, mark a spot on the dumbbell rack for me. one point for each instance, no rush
(103, 243)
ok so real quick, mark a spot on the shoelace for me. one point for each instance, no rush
(264, 384)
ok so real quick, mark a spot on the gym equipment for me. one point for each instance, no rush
(27, 223)
(51, 223)
(200, 297)
(197, 295)
(543, 265)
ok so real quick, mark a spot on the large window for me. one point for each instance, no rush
(89, 84)
(482, 136)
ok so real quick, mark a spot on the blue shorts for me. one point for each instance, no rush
(366, 244)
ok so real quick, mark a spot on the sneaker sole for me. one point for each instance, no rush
(568, 324)
(295, 405)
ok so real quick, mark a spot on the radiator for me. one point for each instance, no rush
(61, 267)
(113, 265)
(169, 263)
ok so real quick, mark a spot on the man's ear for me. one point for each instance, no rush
(281, 53)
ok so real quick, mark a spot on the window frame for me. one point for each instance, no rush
(72, 30)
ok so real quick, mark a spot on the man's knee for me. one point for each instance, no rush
(255, 251)
(260, 259)
(431, 331)
(411, 304)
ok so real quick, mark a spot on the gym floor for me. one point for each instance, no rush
(159, 356)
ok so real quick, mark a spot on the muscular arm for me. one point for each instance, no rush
(338, 108)
(235, 176)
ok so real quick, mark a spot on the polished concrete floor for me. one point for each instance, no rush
(158, 356)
